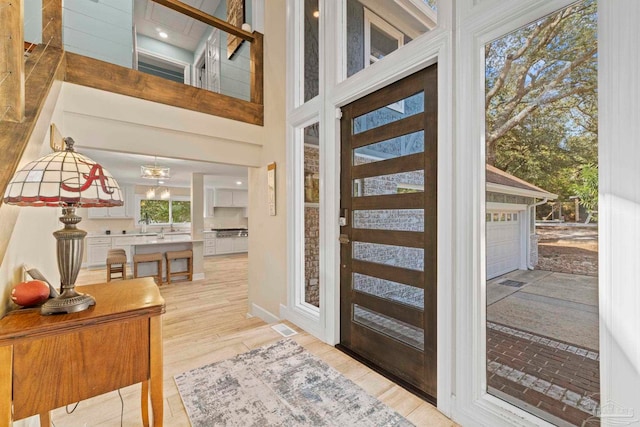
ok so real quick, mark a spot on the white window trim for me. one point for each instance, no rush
(186, 67)
(371, 18)
(336, 91)
(481, 23)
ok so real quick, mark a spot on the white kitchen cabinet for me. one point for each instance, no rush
(240, 244)
(231, 245)
(209, 244)
(97, 249)
(225, 198)
(224, 245)
(209, 202)
(124, 211)
(240, 199)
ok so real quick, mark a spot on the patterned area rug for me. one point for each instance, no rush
(278, 385)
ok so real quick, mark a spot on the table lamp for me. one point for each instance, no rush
(68, 180)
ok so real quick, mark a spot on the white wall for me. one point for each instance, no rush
(132, 125)
(164, 49)
(33, 21)
(31, 241)
(267, 236)
(102, 30)
(234, 73)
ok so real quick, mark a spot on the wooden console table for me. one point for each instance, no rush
(50, 361)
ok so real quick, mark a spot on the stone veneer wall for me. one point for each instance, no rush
(312, 235)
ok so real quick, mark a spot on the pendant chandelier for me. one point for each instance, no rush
(155, 171)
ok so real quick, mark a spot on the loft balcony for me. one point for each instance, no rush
(162, 51)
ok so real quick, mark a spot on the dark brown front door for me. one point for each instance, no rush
(388, 240)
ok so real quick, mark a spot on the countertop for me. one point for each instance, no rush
(154, 240)
(154, 233)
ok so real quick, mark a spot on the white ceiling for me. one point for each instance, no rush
(125, 168)
(184, 32)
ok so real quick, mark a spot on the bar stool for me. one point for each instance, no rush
(116, 263)
(154, 257)
(176, 255)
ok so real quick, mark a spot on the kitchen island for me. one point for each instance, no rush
(153, 244)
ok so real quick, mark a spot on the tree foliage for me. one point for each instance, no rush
(541, 100)
(165, 211)
(586, 188)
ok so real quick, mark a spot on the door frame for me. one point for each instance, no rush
(336, 91)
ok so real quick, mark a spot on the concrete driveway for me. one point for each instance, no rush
(557, 305)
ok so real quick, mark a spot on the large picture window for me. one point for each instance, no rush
(541, 229)
(173, 211)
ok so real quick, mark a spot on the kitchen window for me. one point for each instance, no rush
(176, 210)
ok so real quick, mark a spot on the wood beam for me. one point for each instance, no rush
(97, 74)
(12, 98)
(257, 69)
(52, 24)
(199, 15)
(15, 136)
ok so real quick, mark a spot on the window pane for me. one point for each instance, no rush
(311, 49)
(157, 211)
(377, 29)
(387, 289)
(391, 148)
(399, 256)
(390, 219)
(393, 112)
(181, 211)
(389, 326)
(311, 187)
(381, 43)
(542, 338)
(404, 182)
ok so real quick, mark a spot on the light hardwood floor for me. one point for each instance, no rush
(206, 322)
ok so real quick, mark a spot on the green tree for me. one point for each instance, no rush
(181, 211)
(586, 188)
(157, 211)
(541, 101)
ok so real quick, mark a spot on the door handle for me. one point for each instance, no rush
(344, 239)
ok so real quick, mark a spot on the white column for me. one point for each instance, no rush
(197, 222)
(619, 209)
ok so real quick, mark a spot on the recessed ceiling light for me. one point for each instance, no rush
(238, 182)
(163, 34)
(160, 182)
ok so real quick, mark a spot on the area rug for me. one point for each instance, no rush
(281, 384)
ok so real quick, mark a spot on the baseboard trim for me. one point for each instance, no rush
(303, 321)
(198, 276)
(265, 315)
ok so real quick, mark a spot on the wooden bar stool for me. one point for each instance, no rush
(176, 255)
(116, 263)
(154, 257)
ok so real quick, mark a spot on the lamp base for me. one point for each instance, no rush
(68, 302)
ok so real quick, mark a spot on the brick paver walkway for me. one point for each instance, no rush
(553, 376)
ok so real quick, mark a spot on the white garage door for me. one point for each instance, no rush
(503, 242)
